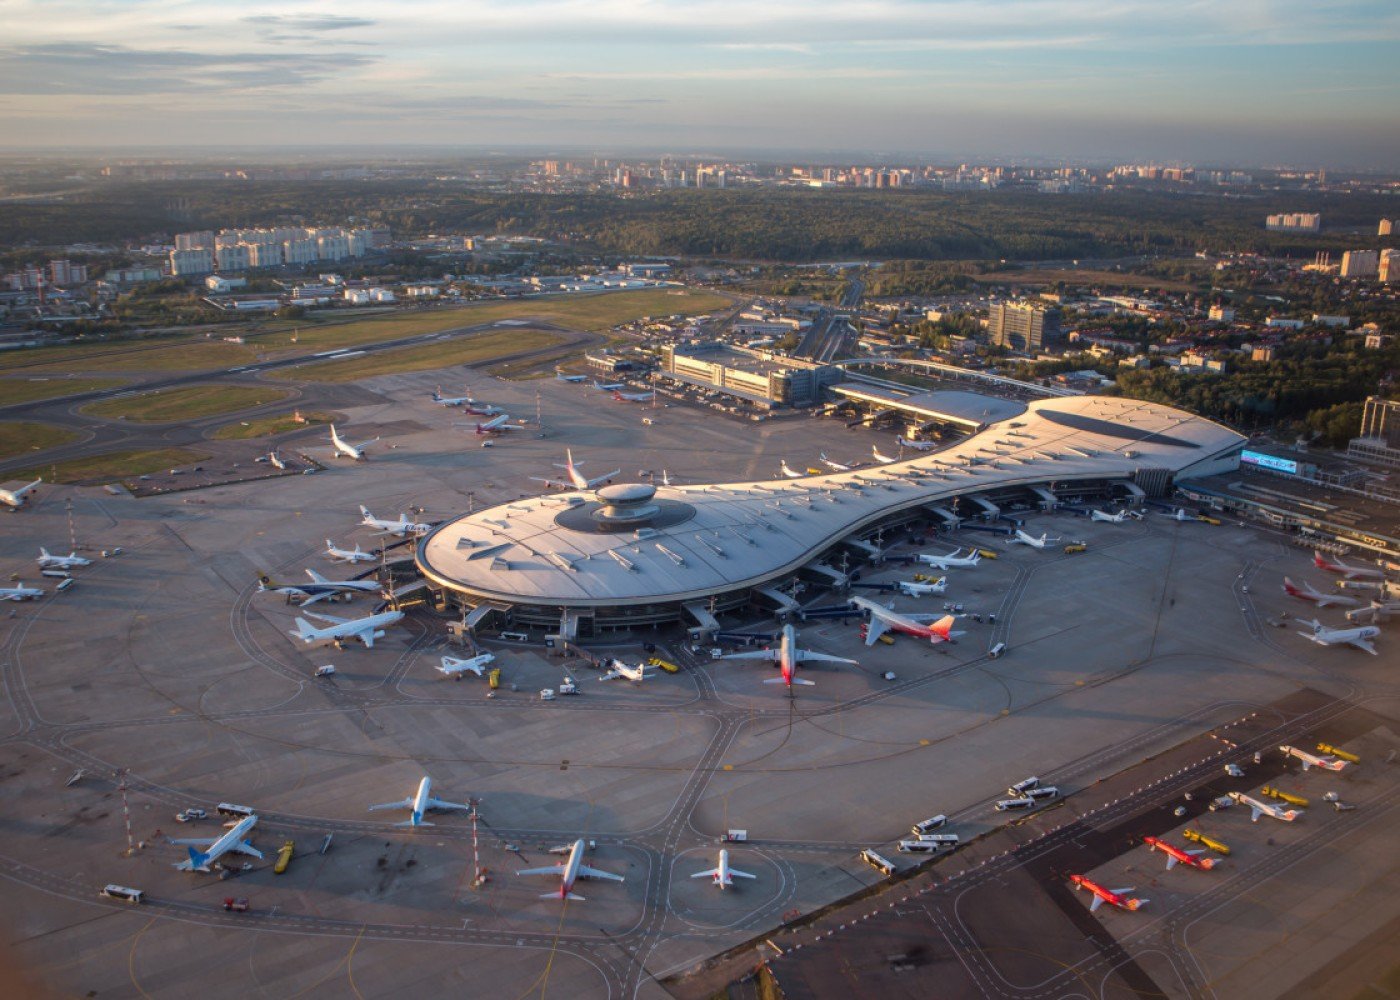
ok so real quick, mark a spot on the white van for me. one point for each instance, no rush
(123, 892)
(1007, 805)
(950, 839)
(882, 865)
(1022, 787)
(917, 847)
(1044, 793)
(925, 825)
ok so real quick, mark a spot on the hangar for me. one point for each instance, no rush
(633, 555)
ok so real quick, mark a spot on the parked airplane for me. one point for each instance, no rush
(442, 400)
(916, 445)
(1337, 566)
(791, 474)
(355, 451)
(1313, 760)
(46, 560)
(1359, 637)
(1099, 515)
(400, 528)
(366, 629)
(916, 589)
(1307, 593)
(345, 555)
(1022, 538)
(634, 397)
(1181, 515)
(1175, 855)
(570, 378)
(787, 655)
(496, 425)
(217, 847)
(15, 498)
(637, 674)
(318, 589)
(722, 874)
(573, 479)
(19, 592)
(420, 803)
(455, 668)
(834, 466)
(951, 560)
(1113, 897)
(275, 460)
(883, 619)
(1258, 809)
(481, 409)
(572, 869)
(874, 450)
(609, 386)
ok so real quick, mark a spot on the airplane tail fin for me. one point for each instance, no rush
(421, 822)
(197, 859)
(305, 630)
(1206, 863)
(43, 552)
(1134, 904)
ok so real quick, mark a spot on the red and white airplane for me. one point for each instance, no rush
(883, 619)
(633, 397)
(787, 656)
(1307, 593)
(496, 424)
(1337, 566)
(1175, 855)
(1113, 897)
(722, 873)
(573, 479)
(570, 871)
(1313, 760)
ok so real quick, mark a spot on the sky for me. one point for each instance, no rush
(1225, 82)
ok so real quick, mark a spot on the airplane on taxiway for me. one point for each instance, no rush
(343, 447)
(451, 666)
(569, 872)
(787, 655)
(216, 847)
(420, 802)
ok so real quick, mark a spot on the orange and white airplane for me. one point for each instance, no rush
(1313, 760)
(883, 619)
(569, 871)
(1307, 593)
(787, 656)
(1337, 566)
(1175, 855)
(1113, 897)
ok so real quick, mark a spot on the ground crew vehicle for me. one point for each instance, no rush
(494, 678)
(1200, 838)
(123, 892)
(665, 665)
(284, 857)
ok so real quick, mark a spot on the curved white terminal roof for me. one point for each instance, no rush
(716, 538)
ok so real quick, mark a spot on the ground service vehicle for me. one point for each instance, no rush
(665, 665)
(494, 678)
(65, 585)
(1074, 547)
(1200, 838)
(927, 825)
(950, 839)
(1009, 805)
(1023, 786)
(879, 863)
(1043, 793)
(917, 847)
(123, 892)
(233, 905)
(284, 857)
(229, 809)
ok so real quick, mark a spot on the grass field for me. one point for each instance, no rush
(18, 437)
(1105, 279)
(23, 390)
(267, 426)
(459, 351)
(182, 354)
(188, 403)
(113, 466)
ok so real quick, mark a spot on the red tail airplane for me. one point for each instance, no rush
(1176, 854)
(1114, 897)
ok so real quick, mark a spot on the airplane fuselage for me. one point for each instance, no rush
(1182, 857)
(1107, 895)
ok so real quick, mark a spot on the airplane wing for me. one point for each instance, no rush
(709, 874)
(1364, 644)
(1171, 862)
(196, 842)
(316, 577)
(439, 804)
(875, 628)
(404, 804)
(738, 874)
(807, 656)
(553, 870)
(327, 618)
(365, 635)
(756, 654)
(1097, 902)
(796, 680)
(307, 600)
(587, 872)
(1255, 813)
(243, 847)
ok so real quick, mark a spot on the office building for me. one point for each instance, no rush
(1389, 268)
(1024, 327)
(1379, 441)
(64, 273)
(184, 263)
(1360, 263)
(1304, 222)
(1386, 227)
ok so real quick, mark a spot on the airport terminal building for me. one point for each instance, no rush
(636, 555)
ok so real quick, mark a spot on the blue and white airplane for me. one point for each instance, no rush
(420, 803)
(570, 378)
(216, 848)
(318, 589)
(48, 560)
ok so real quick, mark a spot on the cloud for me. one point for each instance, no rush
(114, 70)
(309, 22)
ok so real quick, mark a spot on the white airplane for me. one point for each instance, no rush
(571, 870)
(634, 397)
(400, 528)
(1313, 760)
(275, 460)
(951, 560)
(15, 498)
(1258, 809)
(343, 447)
(1180, 515)
(609, 386)
(1337, 566)
(789, 472)
(318, 589)
(442, 400)
(1022, 538)
(912, 588)
(20, 592)
(1359, 637)
(722, 874)
(637, 674)
(834, 466)
(345, 555)
(366, 629)
(874, 450)
(915, 445)
(46, 560)
(1099, 515)
(420, 803)
(455, 668)
(570, 378)
(496, 425)
(217, 847)
(573, 479)
(787, 655)
(1307, 593)
(665, 478)
(883, 619)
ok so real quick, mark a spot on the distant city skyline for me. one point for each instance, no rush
(1268, 82)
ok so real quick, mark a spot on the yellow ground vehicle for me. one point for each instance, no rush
(1342, 754)
(986, 553)
(1207, 518)
(494, 678)
(665, 665)
(1292, 800)
(1204, 841)
(1075, 547)
(284, 857)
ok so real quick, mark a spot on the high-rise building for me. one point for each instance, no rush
(1386, 227)
(198, 260)
(194, 241)
(1389, 268)
(64, 273)
(1360, 263)
(1308, 222)
(1379, 440)
(1024, 327)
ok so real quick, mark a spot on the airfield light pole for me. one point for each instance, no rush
(478, 874)
(539, 413)
(126, 812)
(72, 532)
